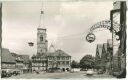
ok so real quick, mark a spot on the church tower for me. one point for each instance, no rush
(42, 42)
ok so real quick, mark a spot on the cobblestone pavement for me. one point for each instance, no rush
(63, 75)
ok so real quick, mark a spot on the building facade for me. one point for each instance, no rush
(19, 62)
(46, 59)
(42, 43)
(26, 63)
(119, 60)
(39, 62)
(59, 60)
(22, 63)
(98, 56)
(103, 56)
(8, 62)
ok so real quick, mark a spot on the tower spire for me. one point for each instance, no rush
(41, 21)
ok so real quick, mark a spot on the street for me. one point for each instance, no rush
(64, 75)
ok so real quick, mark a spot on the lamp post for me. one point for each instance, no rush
(31, 44)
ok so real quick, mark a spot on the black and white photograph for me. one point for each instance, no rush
(63, 39)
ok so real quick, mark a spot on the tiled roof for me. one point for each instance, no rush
(17, 57)
(6, 56)
(25, 58)
(58, 53)
(39, 55)
(14, 55)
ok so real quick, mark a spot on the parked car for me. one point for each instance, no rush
(100, 72)
(6, 74)
(9, 74)
(83, 69)
(3, 74)
(89, 72)
(16, 73)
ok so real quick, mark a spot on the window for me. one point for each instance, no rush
(58, 58)
(63, 63)
(67, 62)
(67, 58)
(63, 58)
(50, 58)
(41, 50)
(41, 38)
(58, 63)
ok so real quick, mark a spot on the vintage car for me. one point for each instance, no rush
(16, 73)
(3, 74)
(6, 74)
(89, 72)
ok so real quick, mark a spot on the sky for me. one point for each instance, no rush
(67, 24)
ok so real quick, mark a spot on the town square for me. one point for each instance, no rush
(63, 39)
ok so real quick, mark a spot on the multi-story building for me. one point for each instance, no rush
(59, 59)
(8, 62)
(98, 56)
(22, 63)
(19, 62)
(110, 55)
(26, 63)
(104, 55)
(39, 60)
(45, 59)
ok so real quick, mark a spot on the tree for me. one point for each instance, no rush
(87, 62)
(74, 64)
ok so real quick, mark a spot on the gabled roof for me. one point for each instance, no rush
(25, 58)
(17, 57)
(99, 48)
(6, 56)
(104, 51)
(58, 53)
(38, 55)
(105, 46)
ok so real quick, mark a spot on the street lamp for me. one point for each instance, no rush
(90, 37)
(31, 44)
